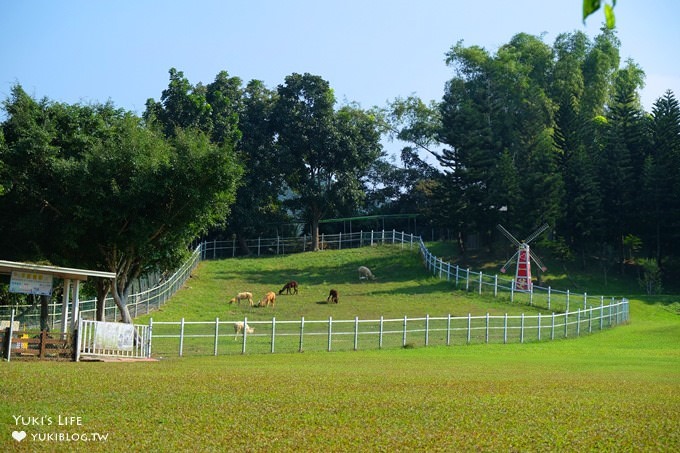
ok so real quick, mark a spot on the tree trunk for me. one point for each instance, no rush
(243, 245)
(44, 313)
(102, 286)
(120, 296)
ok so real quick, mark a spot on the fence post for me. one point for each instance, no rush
(521, 330)
(448, 271)
(245, 334)
(480, 282)
(505, 329)
(233, 246)
(273, 332)
(495, 286)
(259, 240)
(566, 324)
(403, 340)
(567, 310)
(380, 337)
(330, 331)
(448, 330)
(578, 322)
(9, 343)
(512, 290)
(356, 333)
(469, 329)
(590, 319)
(552, 330)
(487, 328)
(217, 328)
(457, 272)
(79, 342)
(148, 352)
(539, 326)
(467, 279)
(585, 300)
(548, 297)
(427, 330)
(302, 330)
(181, 336)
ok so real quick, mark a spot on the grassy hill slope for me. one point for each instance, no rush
(616, 390)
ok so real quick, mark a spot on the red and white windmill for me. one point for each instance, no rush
(523, 256)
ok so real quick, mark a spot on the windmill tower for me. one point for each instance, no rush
(524, 255)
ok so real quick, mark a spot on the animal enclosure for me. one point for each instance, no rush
(216, 338)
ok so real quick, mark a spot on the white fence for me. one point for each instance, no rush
(108, 339)
(572, 313)
(218, 337)
(281, 246)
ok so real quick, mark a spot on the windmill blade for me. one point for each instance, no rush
(508, 235)
(537, 260)
(510, 261)
(536, 233)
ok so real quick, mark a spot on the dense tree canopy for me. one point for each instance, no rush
(534, 133)
(93, 187)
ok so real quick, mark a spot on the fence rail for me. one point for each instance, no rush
(219, 338)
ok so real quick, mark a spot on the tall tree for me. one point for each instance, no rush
(325, 153)
(622, 154)
(664, 170)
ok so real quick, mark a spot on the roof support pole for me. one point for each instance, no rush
(76, 305)
(64, 305)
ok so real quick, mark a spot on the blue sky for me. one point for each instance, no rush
(371, 51)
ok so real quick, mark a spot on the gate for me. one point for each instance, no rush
(100, 339)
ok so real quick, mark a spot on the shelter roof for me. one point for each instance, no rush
(7, 267)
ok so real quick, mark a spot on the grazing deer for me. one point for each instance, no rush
(332, 296)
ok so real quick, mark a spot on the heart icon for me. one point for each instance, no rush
(19, 435)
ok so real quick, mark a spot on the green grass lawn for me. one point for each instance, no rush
(615, 390)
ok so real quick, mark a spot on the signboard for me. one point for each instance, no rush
(114, 336)
(30, 283)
